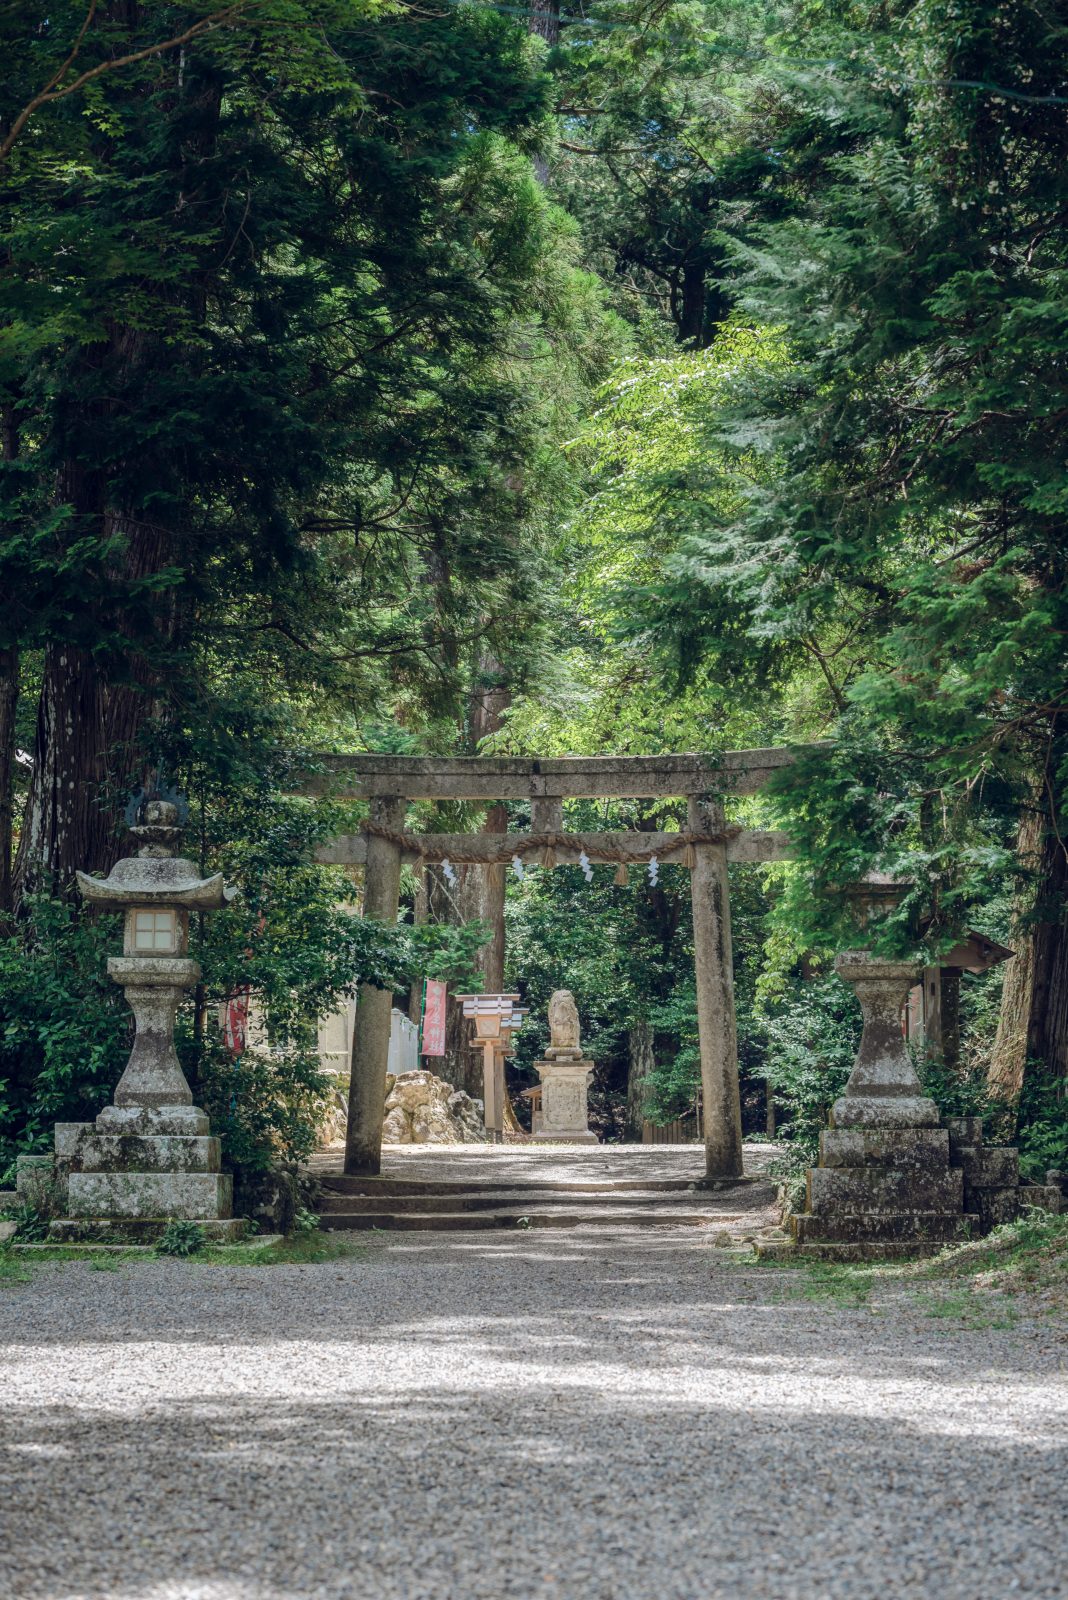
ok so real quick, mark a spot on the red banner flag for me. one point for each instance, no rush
(434, 997)
(235, 1025)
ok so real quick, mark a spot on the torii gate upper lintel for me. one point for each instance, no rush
(392, 782)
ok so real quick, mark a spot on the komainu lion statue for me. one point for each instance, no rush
(563, 1020)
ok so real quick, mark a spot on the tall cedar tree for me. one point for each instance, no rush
(912, 509)
(253, 291)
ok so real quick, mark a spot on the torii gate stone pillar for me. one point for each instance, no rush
(714, 971)
(370, 1044)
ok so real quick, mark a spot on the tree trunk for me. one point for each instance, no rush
(640, 1064)
(544, 20)
(415, 992)
(1033, 1022)
(9, 695)
(95, 703)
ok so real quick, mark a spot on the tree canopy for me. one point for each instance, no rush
(676, 374)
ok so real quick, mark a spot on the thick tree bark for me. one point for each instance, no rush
(9, 695)
(415, 992)
(90, 714)
(95, 703)
(640, 1063)
(1033, 1022)
(545, 20)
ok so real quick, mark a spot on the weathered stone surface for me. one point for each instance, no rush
(868, 1250)
(153, 1121)
(563, 1021)
(106, 1195)
(397, 1127)
(883, 1090)
(413, 1090)
(422, 1108)
(994, 1206)
(153, 986)
(521, 778)
(834, 1191)
(564, 1100)
(35, 1177)
(889, 1147)
(714, 975)
(914, 1111)
(8, 1231)
(964, 1131)
(111, 1152)
(67, 1135)
(1046, 1196)
(988, 1167)
(903, 1226)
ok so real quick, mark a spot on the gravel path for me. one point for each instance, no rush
(546, 1163)
(583, 1416)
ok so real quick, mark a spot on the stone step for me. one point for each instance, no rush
(341, 1183)
(121, 1152)
(866, 1250)
(503, 1199)
(519, 1217)
(897, 1148)
(911, 1227)
(835, 1191)
(150, 1194)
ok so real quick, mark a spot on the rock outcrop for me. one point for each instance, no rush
(423, 1109)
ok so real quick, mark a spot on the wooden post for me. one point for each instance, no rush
(932, 1009)
(951, 1017)
(493, 1090)
(713, 963)
(370, 1045)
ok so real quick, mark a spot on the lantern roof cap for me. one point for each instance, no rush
(160, 880)
(156, 875)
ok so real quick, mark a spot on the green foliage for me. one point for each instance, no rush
(446, 951)
(1042, 1127)
(181, 1238)
(811, 1033)
(304, 1222)
(64, 1031)
(31, 1223)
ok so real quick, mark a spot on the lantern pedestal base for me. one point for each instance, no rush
(143, 1165)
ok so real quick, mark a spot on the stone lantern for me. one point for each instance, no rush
(884, 1181)
(150, 1156)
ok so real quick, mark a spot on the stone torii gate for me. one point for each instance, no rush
(706, 847)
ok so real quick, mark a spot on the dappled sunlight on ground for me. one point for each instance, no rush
(468, 1417)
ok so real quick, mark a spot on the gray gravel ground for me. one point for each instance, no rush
(612, 1416)
(545, 1163)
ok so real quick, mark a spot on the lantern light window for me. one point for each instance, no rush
(154, 930)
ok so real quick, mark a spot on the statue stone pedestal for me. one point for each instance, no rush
(885, 1183)
(565, 1076)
